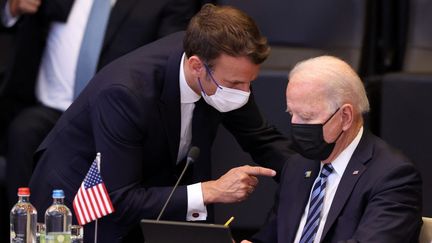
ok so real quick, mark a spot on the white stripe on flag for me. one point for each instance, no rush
(88, 205)
(105, 200)
(99, 200)
(79, 213)
(94, 202)
(82, 205)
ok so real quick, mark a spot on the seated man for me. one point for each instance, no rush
(365, 192)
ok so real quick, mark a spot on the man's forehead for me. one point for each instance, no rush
(306, 100)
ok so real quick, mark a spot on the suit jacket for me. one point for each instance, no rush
(130, 112)
(132, 23)
(378, 199)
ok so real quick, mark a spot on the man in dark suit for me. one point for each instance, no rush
(38, 86)
(145, 110)
(366, 192)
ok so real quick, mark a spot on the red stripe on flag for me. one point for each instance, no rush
(107, 199)
(99, 200)
(83, 206)
(77, 211)
(94, 202)
(88, 205)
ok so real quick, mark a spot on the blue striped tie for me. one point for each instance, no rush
(315, 206)
(91, 45)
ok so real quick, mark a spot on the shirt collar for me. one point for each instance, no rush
(187, 95)
(341, 162)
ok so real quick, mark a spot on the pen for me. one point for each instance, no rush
(229, 221)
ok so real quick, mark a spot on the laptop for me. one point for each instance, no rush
(184, 232)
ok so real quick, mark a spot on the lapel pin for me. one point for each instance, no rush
(355, 172)
(308, 173)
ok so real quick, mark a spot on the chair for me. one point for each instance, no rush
(298, 30)
(426, 231)
(402, 104)
(418, 55)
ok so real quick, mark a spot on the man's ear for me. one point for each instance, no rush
(196, 66)
(347, 111)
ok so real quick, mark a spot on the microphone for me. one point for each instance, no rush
(191, 157)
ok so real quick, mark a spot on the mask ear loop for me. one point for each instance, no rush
(202, 90)
(211, 76)
(331, 116)
(340, 134)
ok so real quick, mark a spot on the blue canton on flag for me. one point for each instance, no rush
(93, 177)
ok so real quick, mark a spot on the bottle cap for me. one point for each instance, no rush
(58, 193)
(23, 191)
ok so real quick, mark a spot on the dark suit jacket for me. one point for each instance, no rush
(132, 23)
(378, 199)
(130, 112)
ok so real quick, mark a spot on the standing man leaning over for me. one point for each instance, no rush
(365, 192)
(145, 110)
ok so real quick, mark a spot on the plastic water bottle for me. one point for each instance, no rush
(23, 219)
(58, 220)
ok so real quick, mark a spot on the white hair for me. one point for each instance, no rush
(341, 82)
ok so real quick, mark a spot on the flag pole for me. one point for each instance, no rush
(98, 161)
(96, 231)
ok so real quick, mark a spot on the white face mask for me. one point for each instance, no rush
(226, 99)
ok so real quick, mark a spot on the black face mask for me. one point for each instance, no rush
(308, 140)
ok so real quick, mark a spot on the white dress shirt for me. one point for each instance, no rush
(196, 208)
(339, 165)
(56, 77)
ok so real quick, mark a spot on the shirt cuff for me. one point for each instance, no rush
(196, 208)
(7, 18)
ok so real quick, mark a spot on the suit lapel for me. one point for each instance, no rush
(355, 168)
(118, 14)
(170, 104)
(299, 197)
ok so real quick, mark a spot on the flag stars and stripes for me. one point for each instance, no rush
(92, 200)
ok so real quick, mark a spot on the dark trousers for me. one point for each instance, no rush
(25, 133)
(9, 109)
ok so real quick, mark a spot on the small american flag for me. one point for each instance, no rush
(92, 200)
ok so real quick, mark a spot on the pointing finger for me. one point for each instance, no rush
(258, 171)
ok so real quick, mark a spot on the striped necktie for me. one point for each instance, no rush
(91, 45)
(315, 206)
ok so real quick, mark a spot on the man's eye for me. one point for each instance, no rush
(306, 119)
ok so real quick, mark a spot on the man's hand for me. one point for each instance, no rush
(19, 7)
(235, 186)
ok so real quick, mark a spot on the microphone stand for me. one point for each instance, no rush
(172, 191)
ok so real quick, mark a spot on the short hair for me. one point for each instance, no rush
(223, 29)
(342, 83)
